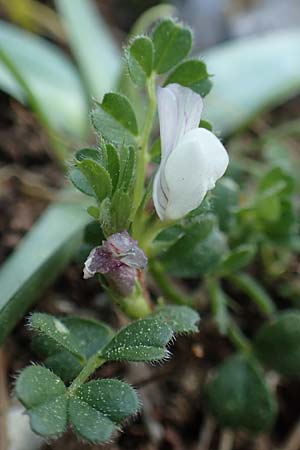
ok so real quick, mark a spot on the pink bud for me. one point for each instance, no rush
(119, 258)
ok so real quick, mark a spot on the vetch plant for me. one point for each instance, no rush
(133, 233)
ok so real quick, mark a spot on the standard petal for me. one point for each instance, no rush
(160, 196)
(191, 170)
(179, 111)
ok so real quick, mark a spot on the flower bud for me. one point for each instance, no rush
(118, 258)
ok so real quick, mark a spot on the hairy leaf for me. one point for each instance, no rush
(143, 340)
(172, 44)
(239, 396)
(181, 319)
(114, 119)
(140, 55)
(97, 408)
(44, 396)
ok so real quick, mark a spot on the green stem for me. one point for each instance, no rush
(136, 306)
(166, 286)
(141, 213)
(238, 338)
(142, 154)
(150, 230)
(218, 304)
(226, 324)
(92, 364)
(254, 291)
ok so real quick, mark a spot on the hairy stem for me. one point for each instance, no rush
(142, 154)
(135, 306)
(91, 365)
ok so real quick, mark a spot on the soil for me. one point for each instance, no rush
(175, 416)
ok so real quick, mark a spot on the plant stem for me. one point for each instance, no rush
(254, 291)
(226, 324)
(151, 229)
(166, 286)
(218, 304)
(142, 155)
(91, 365)
(238, 338)
(135, 306)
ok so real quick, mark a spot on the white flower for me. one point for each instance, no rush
(192, 158)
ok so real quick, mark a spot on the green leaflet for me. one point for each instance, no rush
(277, 343)
(98, 178)
(44, 396)
(143, 340)
(172, 43)
(190, 73)
(140, 56)
(239, 397)
(181, 319)
(197, 252)
(115, 120)
(238, 258)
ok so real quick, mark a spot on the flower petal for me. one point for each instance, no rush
(160, 196)
(98, 261)
(192, 169)
(125, 249)
(216, 154)
(122, 280)
(179, 110)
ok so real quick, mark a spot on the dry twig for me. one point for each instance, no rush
(206, 434)
(226, 440)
